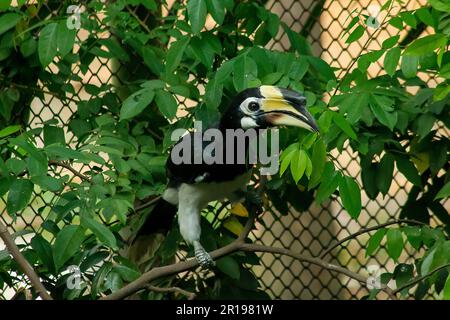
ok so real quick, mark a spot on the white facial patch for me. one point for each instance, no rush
(248, 122)
(246, 102)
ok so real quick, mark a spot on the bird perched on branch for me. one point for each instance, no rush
(192, 185)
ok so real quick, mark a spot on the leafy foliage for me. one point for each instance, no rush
(122, 131)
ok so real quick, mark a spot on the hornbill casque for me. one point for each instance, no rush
(192, 186)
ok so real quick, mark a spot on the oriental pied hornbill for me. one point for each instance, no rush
(192, 186)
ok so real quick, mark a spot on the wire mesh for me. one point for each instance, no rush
(308, 232)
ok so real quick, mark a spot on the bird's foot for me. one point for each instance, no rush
(203, 257)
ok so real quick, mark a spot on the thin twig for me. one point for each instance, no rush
(366, 230)
(23, 263)
(418, 279)
(142, 24)
(147, 204)
(66, 166)
(188, 294)
(36, 89)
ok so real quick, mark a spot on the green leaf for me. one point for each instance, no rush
(446, 291)
(167, 104)
(344, 125)
(394, 243)
(48, 43)
(299, 69)
(424, 124)
(136, 103)
(67, 243)
(425, 16)
(427, 262)
(128, 274)
(8, 21)
(407, 168)
(43, 250)
(380, 110)
(175, 53)
(351, 196)
(113, 281)
(356, 34)
(367, 59)
(4, 5)
(244, 66)
(217, 9)
(286, 158)
(440, 5)
(213, 94)
(329, 185)
(53, 134)
(65, 38)
(115, 50)
(321, 68)
(374, 241)
(352, 23)
(15, 165)
(229, 266)
(354, 105)
(298, 164)
(385, 173)
(426, 44)
(48, 183)
(100, 278)
(390, 42)
(19, 195)
(409, 19)
(197, 14)
(203, 51)
(391, 60)
(396, 22)
(152, 60)
(445, 71)
(9, 130)
(413, 236)
(444, 192)
(319, 156)
(101, 232)
(409, 65)
(37, 165)
(5, 184)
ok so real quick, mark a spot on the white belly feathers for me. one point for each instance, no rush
(202, 193)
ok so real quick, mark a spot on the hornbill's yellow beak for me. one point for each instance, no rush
(282, 107)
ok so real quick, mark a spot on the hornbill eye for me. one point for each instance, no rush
(253, 106)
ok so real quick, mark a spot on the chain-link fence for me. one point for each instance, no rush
(322, 22)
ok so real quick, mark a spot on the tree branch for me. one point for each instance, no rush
(66, 166)
(237, 245)
(147, 204)
(418, 279)
(188, 294)
(23, 263)
(366, 230)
